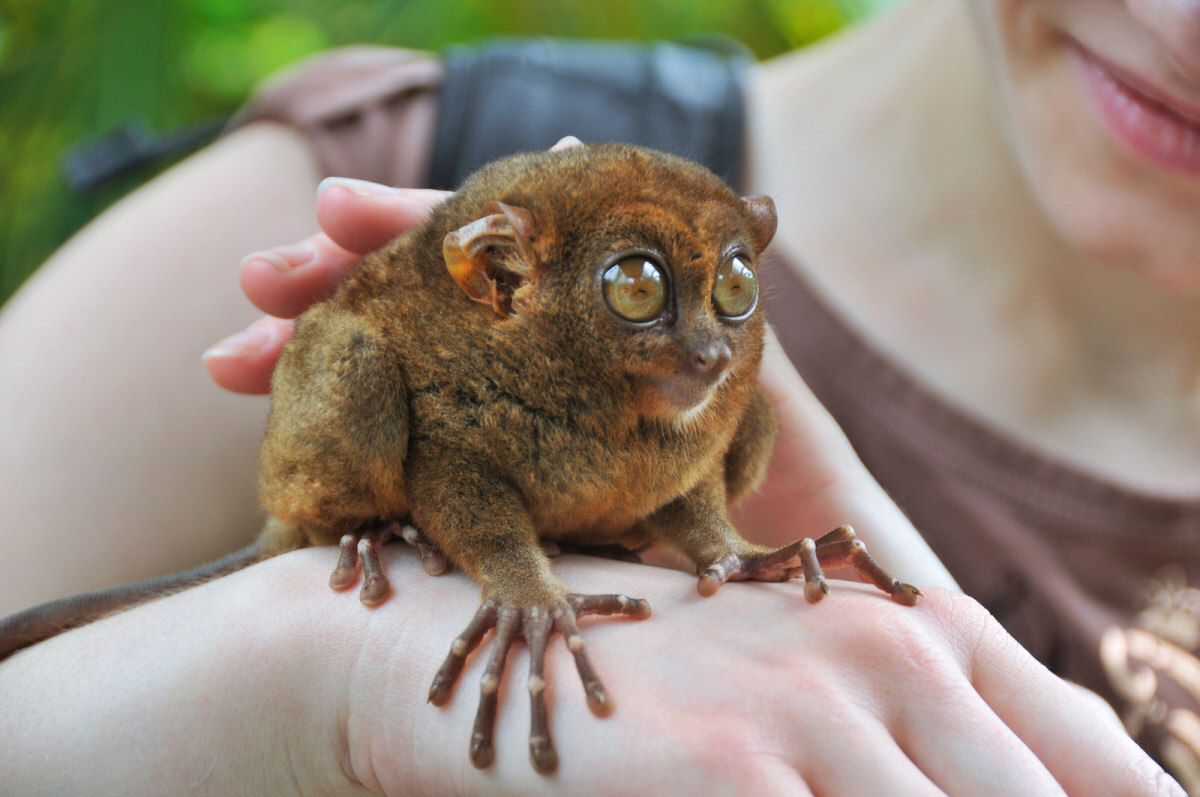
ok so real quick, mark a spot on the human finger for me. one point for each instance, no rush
(1075, 738)
(361, 216)
(287, 280)
(566, 142)
(879, 765)
(244, 361)
(888, 708)
(965, 748)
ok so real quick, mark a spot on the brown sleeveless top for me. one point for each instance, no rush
(1099, 582)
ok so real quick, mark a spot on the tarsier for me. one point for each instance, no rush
(566, 354)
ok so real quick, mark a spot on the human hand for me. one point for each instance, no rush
(265, 682)
(356, 218)
(754, 691)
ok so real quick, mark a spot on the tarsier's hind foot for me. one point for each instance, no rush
(536, 624)
(433, 560)
(362, 548)
(839, 548)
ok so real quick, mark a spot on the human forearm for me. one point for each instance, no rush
(200, 692)
(100, 385)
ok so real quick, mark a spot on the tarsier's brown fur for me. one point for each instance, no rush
(402, 395)
(470, 379)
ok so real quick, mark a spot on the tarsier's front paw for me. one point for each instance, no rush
(536, 624)
(839, 548)
(362, 548)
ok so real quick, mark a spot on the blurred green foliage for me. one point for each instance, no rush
(73, 69)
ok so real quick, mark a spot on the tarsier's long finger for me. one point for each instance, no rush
(597, 697)
(815, 587)
(346, 570)
(783, 564)
(507, 628)
(841, 547)
(433, 561)
(375, 586)
(538, 624)
(637, 608)
(460, 648)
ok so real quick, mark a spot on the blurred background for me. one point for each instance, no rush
(72, 71)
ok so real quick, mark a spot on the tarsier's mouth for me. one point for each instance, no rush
(692, 413)
(688, 394)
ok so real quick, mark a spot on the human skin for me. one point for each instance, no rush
(260, 684)
(1022, 262)
(1107, 199)
(119, 457)
(954, 622)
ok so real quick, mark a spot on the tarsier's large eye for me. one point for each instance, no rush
(735, 289)
(635, 288)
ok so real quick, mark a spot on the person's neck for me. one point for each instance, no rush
(935, 249)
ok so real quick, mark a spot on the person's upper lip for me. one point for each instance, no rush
(1188, 109)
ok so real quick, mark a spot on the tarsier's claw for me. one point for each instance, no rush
(815, 590)
(537, 624)
(597, 697)
(636, 608)
(363, 546)
(507, 627)
(906, 594)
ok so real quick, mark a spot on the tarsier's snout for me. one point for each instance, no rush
(707, 361)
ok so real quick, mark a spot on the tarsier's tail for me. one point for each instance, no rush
(41, 622)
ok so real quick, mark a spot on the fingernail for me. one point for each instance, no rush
(357, 187)
(283, 258)
(248, 341)
(566, 142)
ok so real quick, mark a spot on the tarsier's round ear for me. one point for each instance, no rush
(761, 210)
(491, 256)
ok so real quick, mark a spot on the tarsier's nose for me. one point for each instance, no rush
(710, 359)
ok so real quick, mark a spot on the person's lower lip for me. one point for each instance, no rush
(1147, 127)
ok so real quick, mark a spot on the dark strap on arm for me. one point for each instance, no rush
(525, 94)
